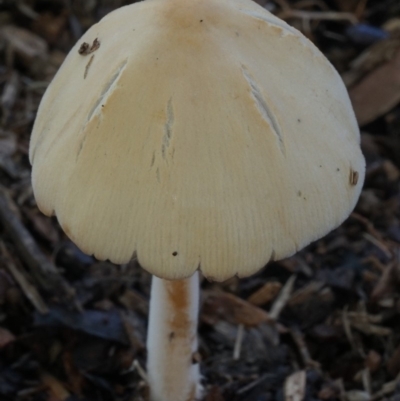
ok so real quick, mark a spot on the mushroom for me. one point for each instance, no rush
(194, 135)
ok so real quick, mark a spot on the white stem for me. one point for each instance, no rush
(172, 340)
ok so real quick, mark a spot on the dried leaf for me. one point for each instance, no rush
(378, 92)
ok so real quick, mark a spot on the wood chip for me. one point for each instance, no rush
(265, 294)
(214, 394)
(393, 364)
(386, 283)
(8, 145)
(42, 271)
(298, 338)
(10, 94)
(134, 301)
(223, 306)
(318, 15)
(295, 386)
(23, 44)
(6, 337)
(357, 395)
(29, 290)
(56, 389)
(387, 388)
(306, 293)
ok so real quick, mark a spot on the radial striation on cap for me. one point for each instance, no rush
(196, 134)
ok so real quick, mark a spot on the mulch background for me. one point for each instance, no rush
(322, 325)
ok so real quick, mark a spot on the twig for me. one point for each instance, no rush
(282, 298)
(140, 370)
(386, 389)
(29, 392)
(349, 333)
(303, 350)
(370, 238)
(42, 271)
(347, 328)
(29, 290)
(133, 334)
(9, 95)
(368, 225)
(27, 11)
(318, 15)
(255, 383)
(238, 343)
(366, 380)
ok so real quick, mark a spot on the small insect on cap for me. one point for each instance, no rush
(196, 134)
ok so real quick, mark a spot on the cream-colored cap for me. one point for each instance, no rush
(196, 134)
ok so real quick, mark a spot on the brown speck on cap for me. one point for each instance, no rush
(88, 66)
(86, 49)
(353, 177)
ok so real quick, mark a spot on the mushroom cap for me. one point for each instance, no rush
(200, 134)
